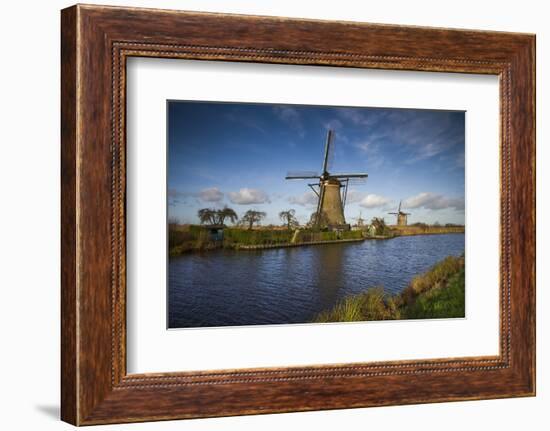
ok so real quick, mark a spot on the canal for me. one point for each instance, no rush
(292, 285)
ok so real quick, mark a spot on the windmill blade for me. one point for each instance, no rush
(330, 157)
(393, 213)
(301, 175)
(356, 181)
(357, 175)
(328, 151)
(399, 209)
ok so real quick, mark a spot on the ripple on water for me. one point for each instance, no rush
(291, 285)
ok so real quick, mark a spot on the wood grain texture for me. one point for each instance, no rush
(69, 397)
(96, 41)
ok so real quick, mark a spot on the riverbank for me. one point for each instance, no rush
(184, 239)
(191, 238)
(297, 244)
(438, 293)
(422, 229)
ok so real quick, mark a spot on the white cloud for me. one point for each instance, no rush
(245, 121)
(354, 196)
(355, 116)
(433, 201)
(290, 116)
(371, 149)
(374, 201)
(248, 196)
(308, 198)
(421, 137)
(174, 194)
(333, 124)
(212, 194)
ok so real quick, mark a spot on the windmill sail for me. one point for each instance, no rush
(328, 151)
(357, 175)
(301, 175)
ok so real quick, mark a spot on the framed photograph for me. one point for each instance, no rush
(266, 215)
(251, 245)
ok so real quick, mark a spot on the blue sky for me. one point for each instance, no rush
(238, 154)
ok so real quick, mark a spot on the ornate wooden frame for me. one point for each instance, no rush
(95, 43)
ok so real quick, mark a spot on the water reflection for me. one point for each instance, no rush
(328, 275)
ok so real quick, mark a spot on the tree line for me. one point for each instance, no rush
(212, 216)
(251, 218)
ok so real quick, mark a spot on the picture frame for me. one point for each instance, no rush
(96, 41)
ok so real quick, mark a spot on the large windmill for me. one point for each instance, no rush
(331, 190)
(401, 216)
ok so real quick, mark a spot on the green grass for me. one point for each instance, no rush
(370, 305)
(351, 234)
(438, 293)
(312, 235)
(186, 238)
(443, 302)
(234, 236)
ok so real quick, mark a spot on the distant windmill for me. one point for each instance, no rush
(331, 190)
(401, 216)
(360, 220)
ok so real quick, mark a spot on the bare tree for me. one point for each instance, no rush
(207, 216)
(252, 217)
(289, 217)
(226, 213)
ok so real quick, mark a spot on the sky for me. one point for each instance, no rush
(238, 155)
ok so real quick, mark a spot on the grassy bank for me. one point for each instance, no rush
(235, 236)
(187, 238)
(423, 229)
(438, 293)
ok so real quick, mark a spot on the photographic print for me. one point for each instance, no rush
(297, 214)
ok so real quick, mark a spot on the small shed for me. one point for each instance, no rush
(215, 232)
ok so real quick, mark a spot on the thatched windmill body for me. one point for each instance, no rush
(401, 216)
(331, 190)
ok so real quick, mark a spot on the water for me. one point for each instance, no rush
(291, 285)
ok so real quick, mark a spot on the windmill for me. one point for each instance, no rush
(331, 190)
(360, 220)
(401, 216)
